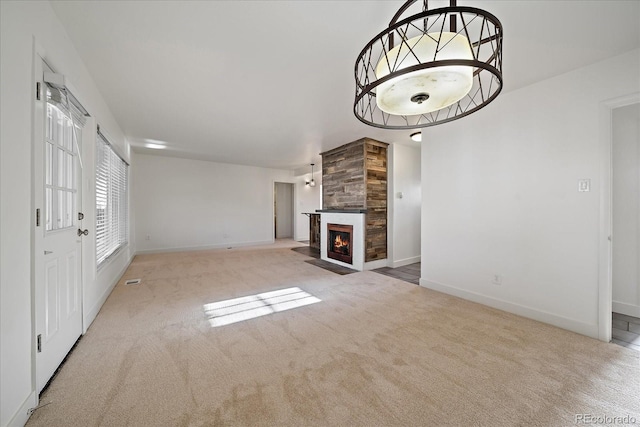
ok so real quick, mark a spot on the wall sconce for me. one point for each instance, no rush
(311, 183)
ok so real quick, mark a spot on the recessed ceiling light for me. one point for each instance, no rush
(416, 136)
(155, 146)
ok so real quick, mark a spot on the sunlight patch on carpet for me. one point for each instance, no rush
(244, 308)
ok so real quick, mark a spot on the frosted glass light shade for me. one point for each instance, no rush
(431, 88)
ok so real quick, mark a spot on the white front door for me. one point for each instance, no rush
(57, 245)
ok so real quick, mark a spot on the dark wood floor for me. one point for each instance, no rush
(308, 251)
(409, 273)
(626, 331)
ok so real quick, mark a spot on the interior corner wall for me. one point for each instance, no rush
(404, 201)
(500, 197)
(183, 204)
(626, 210)
(24, 25)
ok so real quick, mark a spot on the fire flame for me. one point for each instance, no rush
(339, 243)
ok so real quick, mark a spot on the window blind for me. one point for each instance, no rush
(112, 213)
(64, 100)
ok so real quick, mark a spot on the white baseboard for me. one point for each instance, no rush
(22, 415)
(93, 312)
(405, 261)
(624, 308)
(204, 247)
(372, 265)
(590, 330)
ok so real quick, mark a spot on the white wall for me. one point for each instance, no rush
(100, 283)
(404, 211)
(20, 24)
(500, 197)
(183, 204)
(626, 210)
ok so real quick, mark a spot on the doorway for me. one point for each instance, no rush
(605, 276)
(283, 210)
(625, 221)
(57, 245)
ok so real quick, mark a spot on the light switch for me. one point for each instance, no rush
(584, 185)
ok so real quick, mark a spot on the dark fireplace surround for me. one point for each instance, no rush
(339, 238)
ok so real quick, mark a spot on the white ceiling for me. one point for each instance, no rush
(270, 83)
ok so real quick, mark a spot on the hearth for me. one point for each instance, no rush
(339, 242)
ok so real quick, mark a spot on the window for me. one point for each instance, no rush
(112, 213)
(64, 122)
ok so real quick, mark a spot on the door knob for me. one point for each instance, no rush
(81, 232)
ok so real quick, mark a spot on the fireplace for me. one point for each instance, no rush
(339, 245)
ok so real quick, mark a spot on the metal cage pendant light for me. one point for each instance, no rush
(430, 68)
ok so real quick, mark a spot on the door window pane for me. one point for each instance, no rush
(61, 204)
(68, 134)
(69, 209)
(60, 174)
(68, 164)
(48, 169)
(48, 211)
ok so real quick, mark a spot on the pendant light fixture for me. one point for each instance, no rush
(311, 183)
(429, 68)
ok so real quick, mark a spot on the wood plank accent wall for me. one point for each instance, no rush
(343, 180)
(354, 176)
(376, 197)
(314, 231)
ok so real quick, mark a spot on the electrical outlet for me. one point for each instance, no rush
(147, 237)
(497, 279)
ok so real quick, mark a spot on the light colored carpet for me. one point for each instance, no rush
(375, 352)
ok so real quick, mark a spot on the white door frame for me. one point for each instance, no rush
(605, 273)
(273, 208)
(37, 260)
